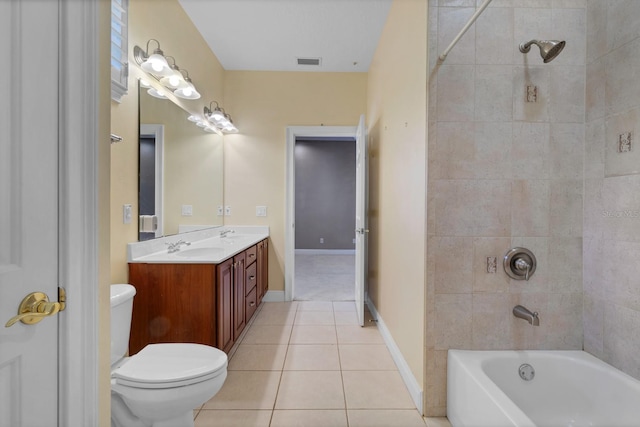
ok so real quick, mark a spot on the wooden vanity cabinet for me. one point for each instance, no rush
(196, 303)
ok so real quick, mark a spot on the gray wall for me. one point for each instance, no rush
(325, 194)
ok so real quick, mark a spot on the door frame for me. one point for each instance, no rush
(82, 104)
(290, 245)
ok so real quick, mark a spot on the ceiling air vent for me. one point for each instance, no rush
(309, 61)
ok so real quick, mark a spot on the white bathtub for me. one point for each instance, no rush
(570, 388)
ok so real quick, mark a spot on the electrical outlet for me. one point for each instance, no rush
(322, 240)
(220, 211)
(187, 210)
(354, 241)
(227, 210)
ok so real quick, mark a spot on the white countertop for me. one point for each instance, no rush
(204, 246)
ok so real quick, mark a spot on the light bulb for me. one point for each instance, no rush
(174, 81)
(157, 67)
(187, 91)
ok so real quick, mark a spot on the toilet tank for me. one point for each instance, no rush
(121, 310)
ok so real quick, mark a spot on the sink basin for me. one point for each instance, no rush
(200, 252)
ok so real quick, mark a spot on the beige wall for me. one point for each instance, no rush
(612, 186)
(503, 173)
(262, 105)
(397, 125)
(178, 37)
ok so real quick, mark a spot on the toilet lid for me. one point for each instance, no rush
(170, 365)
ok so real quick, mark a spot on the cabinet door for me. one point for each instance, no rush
(239, 262)
(173, 303)
(263, 269)
(224, 290)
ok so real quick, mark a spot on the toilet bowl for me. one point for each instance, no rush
(162, 384)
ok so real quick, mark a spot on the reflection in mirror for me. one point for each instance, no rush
(180, 173)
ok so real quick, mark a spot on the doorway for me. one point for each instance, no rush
(150, 182)
(325, 208)
(307, 133)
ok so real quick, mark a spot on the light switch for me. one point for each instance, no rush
(261, 211)
(126, 214)
(220, 210)
(227, 210)
(187, 210)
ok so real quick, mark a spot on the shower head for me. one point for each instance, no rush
(549, 49)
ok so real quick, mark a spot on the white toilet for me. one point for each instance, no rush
(162, 384)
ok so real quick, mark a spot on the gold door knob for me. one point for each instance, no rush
(35, 307)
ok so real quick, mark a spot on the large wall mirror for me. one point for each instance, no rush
(181, 171)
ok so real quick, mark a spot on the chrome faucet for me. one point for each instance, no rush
(175, 246)
(225, 232)
(524, 313)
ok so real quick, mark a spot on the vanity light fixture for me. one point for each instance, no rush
(169, 76)
(188, 91)
(228, 125)
(214, 115)
(219, 118)
(175, 80)
(156, 63)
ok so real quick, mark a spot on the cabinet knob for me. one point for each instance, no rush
(252, 303)
(252, 277)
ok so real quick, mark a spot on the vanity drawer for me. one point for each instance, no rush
(251, 303)
(252, 254)
(251, 277)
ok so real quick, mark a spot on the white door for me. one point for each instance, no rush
(361, 218)
(28, 209)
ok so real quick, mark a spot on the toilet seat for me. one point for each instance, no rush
(171, 365)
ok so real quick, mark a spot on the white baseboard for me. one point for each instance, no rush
(405, 372)
(325, 251)
(273, 296)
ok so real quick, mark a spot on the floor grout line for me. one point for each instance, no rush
(281, 370)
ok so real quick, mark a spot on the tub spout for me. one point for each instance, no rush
(524, 313)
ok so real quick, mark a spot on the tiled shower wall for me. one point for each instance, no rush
(612, 184)
(506, 157)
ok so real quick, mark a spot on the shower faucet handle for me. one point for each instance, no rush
(522, 265)
(519, 263)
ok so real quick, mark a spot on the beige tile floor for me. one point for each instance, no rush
(308, 363)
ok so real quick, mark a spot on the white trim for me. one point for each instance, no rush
(403, 367)
(78, 224)
(325, 251)
(157, 131)
(290, 235)
(273, 296)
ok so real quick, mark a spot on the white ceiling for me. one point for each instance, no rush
(269, 35)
